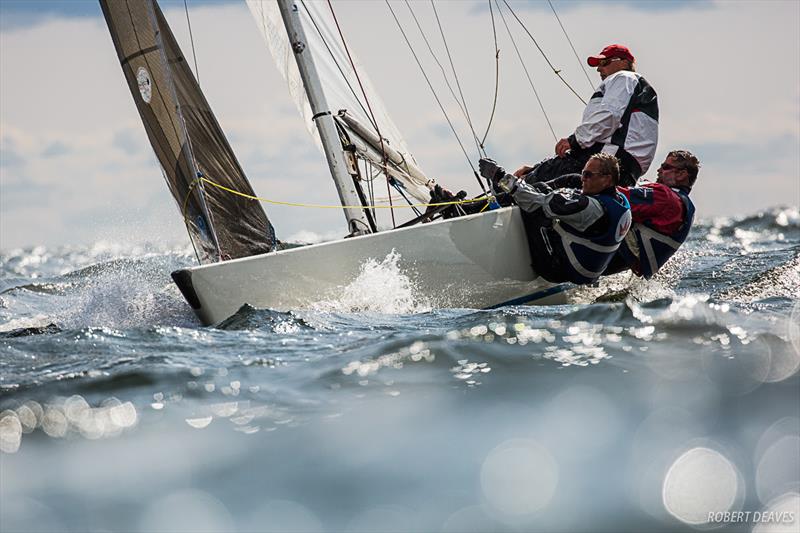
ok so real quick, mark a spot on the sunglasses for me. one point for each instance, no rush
(667, 166)
(605, 62)
(588, 174)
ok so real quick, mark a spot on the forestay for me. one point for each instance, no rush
(362, 121)
(185, 136)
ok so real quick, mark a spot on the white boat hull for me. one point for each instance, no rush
(475, 261)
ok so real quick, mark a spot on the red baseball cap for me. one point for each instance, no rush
(611, 51)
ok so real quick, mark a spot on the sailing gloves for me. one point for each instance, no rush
(441, 195)
(497, 177)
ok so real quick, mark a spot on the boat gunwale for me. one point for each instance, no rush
(344, 239)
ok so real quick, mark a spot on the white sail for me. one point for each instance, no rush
(335, 69)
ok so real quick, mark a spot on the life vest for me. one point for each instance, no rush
(656, 248)
(588, 256)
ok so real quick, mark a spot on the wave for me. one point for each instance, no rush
(741, 259)
(779, 217)
(120, 292)
(780, 281)
(249, 318)
(48, 329)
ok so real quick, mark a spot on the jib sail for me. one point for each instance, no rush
(185, 136)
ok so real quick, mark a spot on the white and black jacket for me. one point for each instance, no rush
(586, 230)
(622, 116)
(578, 210)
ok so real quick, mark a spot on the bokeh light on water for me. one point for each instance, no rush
(66, 417)
(701, 482)
(647, 411)
(777, 460)
(282, 516)
(187, 510)
(781, 515)
(519, 477)
(10, 432)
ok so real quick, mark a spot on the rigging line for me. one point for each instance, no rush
(444, 75)
(338, 66)
(530, 80)
(496, 76)
(389, 192)
(370, 187)
(191, 39)
(400, 190)
(554, 69)
(435, 96)
(189, 158)
(458, 83)
(463, 104)
(322, 206)
(583, 67)
(366, 100)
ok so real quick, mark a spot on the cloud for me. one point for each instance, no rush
(24, 192)
(633, 5)
(9, 156)
(770, 155)
(55, 149)
(130, 141)
(23, 14)
(735, 104)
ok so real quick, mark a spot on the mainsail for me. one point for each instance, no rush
(186, 137)
(362, 122)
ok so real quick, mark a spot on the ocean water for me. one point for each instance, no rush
(668, 405)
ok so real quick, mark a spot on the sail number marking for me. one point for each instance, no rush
(145, 85)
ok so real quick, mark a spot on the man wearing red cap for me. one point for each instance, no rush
(620, 119)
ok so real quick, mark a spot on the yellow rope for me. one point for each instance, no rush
(318, 206)
(186, 200)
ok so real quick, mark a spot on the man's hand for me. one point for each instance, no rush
(489, 169)
(562, 147)
(440, 194)
(521, 171)
(498, 179)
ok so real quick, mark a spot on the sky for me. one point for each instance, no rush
(76, 167)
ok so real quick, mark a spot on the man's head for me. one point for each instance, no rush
(679, 169)
(600, 173)
(612, 59)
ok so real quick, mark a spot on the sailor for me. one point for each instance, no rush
(620, 119)
(662, 214)
(572, 234)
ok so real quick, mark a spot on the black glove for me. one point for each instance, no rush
(439, 194)
(490, 170)
(497, 177)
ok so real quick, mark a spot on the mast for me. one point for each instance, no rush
(348, 195)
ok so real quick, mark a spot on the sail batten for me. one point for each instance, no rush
(185, 136)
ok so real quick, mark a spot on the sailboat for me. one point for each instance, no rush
(479, 260)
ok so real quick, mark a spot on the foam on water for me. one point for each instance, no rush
(103, 285)
(126, 296)
(380, 287)
(27, 322)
